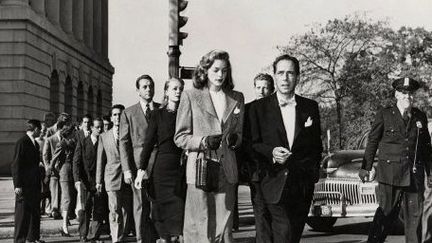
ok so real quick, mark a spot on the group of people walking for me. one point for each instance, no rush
(170, 171)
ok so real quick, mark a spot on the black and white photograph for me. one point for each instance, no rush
(216, 121)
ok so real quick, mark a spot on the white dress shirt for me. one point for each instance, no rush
(94, 139)
(289, 117)
(219, 102)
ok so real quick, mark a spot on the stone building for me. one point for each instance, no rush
(53, 57)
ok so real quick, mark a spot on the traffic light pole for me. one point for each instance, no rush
(175, 36)
(173, 61)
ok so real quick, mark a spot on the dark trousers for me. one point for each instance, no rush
(411, 204)
(261, 213)
(236, 215)
(91, 218)
(144, 227)
(27, 216)
(288, 216)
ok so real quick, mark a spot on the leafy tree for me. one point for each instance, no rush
(348, 64)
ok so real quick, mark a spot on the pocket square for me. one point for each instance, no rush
(236, 111)
(308, 122)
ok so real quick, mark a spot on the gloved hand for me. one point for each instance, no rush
(364, 175)
(232, 140)
(213, 141)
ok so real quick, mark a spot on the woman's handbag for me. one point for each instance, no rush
(207, 172)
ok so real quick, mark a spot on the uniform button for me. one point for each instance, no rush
(407, 148)
(392, 130)
(406, 139)
(286, 173)
(388, 161)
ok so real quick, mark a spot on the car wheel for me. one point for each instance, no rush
(321, 223)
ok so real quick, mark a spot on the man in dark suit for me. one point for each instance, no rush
(85, 126)
(133, 127)
(84, 173)
(401, 134)
(251, 171)
(285, 133)
(26, 180)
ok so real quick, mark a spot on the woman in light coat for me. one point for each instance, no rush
(210, 118)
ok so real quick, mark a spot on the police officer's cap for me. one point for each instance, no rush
(406, 84)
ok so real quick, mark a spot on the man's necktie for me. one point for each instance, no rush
(405, 117)
(147, 112)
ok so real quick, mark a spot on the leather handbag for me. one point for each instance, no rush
(207, 172)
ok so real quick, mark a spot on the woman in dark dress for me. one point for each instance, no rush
(168, 207)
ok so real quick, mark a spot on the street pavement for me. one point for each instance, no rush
(352, 230)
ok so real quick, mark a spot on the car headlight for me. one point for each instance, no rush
(330, 170)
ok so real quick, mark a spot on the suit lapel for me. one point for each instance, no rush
(90, 148)
(204, 101)
(140, 113)
(299, 119)
(231, 103)
(31, 144)
(111, 141)
(277, 118)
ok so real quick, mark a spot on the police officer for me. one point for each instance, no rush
(400, 133)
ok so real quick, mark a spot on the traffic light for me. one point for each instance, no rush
(176, 21)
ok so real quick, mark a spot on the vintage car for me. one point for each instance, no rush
(339, 192)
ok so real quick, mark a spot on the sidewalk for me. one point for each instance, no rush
(49, 226)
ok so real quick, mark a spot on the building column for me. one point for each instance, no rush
(15, 2)
(105, 28)
(88, 23)
(97, 26)
(78, 19)
(53, 11)
(38, 6)
(66, 15)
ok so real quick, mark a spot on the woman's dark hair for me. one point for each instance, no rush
(200, 78)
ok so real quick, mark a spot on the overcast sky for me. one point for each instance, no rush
(248, 29)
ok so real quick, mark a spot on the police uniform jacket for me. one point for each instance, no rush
(396, 141)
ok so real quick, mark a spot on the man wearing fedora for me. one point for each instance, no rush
(400, 133)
